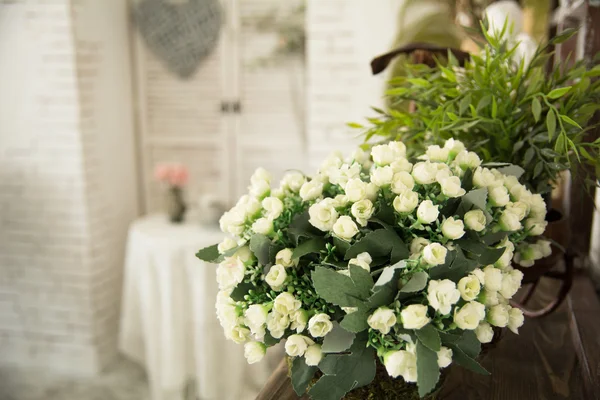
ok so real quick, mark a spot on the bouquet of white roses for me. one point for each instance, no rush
(377, 257)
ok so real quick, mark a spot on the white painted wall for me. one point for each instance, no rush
(67, 180)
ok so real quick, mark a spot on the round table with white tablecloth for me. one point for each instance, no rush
(168, 320)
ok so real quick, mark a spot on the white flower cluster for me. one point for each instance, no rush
(341, 203)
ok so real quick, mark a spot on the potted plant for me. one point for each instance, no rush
(174, 177)
(509, 107)
(379, 271)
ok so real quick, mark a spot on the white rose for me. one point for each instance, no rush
(414, 316)
(451, 187)
(484, 332)
(509, 221)
(493, 278)
(437, 153)
(398, 148)
(296, 345)
(239, 334)
(401, 363)
(226, 310)
(535, 227)
(498, 196)
(293, 181)
(230, 272)
(259, 189)
(362, 211)
(475, 220)
(519, 208)
(346, 172)
(244, 254)
(442, 295)
(469, 315)
(276, 277)
(478, 272)
(286, 303)
(260, 175)
(355, 190)
(382, 176)
(406, 201)
(401, 165)
(320, 325)
(322, 216)
(263, 226)
(545, 247)
(453, 228)
(469, 287)
(277, 324)
(232, 221)
(372, 191)
(511, 282)
(424, 173)
(345, 228)
(383, 154)
(298, 319)
(254, 352)
(284, 257)
(251, 207)
(401, 181)
(313, 355)
(311, 190)
(427, 212)
(226, 244)
(383, 319)
(537, 207)
(333, 161)
(483, 177)
(498, 315)
(362, 260)
(454, 146)
(520, 193)
(434, 254)
(418, 244)
(515, 320)
(443, 172)
(444, 357)
(256, 318)
(490, 298)
(505, 259)
(467, 159)
(273, 206)
(510, 181)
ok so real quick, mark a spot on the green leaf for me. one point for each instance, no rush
(537, 170)
(528, 155)
(430, 337)
(416, 283)
(494, 108)
(475, 198)
(378, 243)
(559, 92)
(341, 246)
(536, 108)
(354, 125)
(484, 102)
(345, 372)
(570, 121)
(464, 104)
(302, 374)
(464, 360)
(241, 290)
(356, 321)
(386, 287)
(469, 343)
(337, 340)
(338, 289)
(209, 254)
(419, 82)
(361, 278)
(314, 245)
(260, 246)
(300, 227)
(551, 124)
(563, 36)
(518, 146)
(513, 170)
(428, 372)
(269, 340)
(493, 237)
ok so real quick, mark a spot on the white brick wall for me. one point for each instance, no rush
(67, 183)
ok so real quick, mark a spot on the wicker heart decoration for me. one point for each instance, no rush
(182, 34)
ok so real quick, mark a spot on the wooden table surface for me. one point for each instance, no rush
(554, 357)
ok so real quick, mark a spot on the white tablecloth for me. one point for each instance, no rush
(168, 321)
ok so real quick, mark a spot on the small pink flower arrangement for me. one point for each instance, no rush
(172, 174)
(176, 177)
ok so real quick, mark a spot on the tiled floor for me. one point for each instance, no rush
(124, 381)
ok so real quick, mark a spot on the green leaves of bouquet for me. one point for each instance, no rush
(377, 259)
